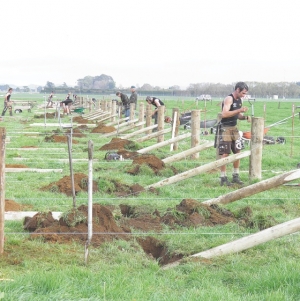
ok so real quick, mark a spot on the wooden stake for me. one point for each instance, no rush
(255, 188)
(247, 242)
(2, 187)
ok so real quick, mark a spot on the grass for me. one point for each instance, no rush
(120, 270)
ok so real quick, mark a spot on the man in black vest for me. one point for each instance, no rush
(232, 110)
(157, 103)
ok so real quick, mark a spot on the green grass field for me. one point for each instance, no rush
(31, 269)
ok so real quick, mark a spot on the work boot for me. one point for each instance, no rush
(236, 179)
(225, 182)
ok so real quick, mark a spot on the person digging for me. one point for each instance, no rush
(232, 110)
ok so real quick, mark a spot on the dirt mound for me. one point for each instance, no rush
(76, 133)
(123, 190)
(80, 119)
(64, 185)
(118, 144)
(73, 226)
(127, 154)
(101, 128)
(193, 213)
(48, 115)
(150, 160)
(189, 213)
(11, 205)
(15, 166)
(59, 139)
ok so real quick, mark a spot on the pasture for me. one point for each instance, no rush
(129, 264)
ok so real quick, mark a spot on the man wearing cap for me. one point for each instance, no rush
(125, 103)
(133, 96)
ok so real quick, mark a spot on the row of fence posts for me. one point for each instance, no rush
(257, 132)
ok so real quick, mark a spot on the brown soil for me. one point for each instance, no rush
(76, 133)
(101, 128)
(15, 166)
(59, 139)
(127, 154)
(117, 144)
(80, 119)
(73, 225)
(123, 190)
(11, 205)
(150, 160)
(64, 185)
(48, 115)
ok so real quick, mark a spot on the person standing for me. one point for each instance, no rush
(50, 100)
(133, 97)
(232, 110)
(7, 103)
(157, 103)
(125, 103)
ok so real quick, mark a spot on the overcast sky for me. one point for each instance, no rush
(159, 42)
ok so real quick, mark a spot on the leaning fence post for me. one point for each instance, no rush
(141, 114)
(2, 187)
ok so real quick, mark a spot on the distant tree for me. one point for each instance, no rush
(64, 85)
(4, 87)
(102, 82)
(39, 88)
(146, 87)
(50, 85)
(26, 89)
(175, 87)
(18, 89)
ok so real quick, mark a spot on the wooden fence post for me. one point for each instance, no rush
(113, 110)
(131, 116)
(2, 187)
(141, 114)
(219, 117)
(160, 122)
(175, 145)
(148, 117)
(195, 139)
(257, 136)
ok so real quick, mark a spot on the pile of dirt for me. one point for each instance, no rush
(118, 144)
(150, 160)
(15, 166)
(64, 185)
(101, 128)
(59, 139)
(11, 205)
(48, 115)
(76, 133)
(80, 119)
(189, 213)
(121, 190)
(73, 226)
(127, 154)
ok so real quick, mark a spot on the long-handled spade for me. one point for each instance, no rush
(252, 108)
